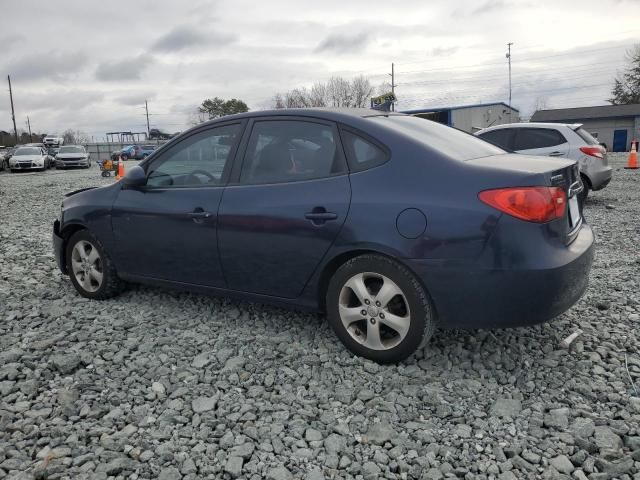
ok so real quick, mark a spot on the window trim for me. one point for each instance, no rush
(244, 145)
(354, 166)
(522, 129)
(224, 179)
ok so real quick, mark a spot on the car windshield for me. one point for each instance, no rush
(28, 151)
(449, 141)
(586, 136)
(71, 150)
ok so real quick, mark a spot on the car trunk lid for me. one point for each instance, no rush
(514, 170)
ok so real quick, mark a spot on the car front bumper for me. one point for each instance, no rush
(71, 163)
(26, 166)
(471, 297)
(58, 247)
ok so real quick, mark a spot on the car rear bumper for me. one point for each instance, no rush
(600, 178)
(58, 246)
(470, 297)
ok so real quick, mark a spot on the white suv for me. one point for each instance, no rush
(556, 140)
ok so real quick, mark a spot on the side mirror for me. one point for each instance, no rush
(135, 177)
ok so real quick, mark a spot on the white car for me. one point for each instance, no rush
(562, 140)
(29, 158)
(72, 156)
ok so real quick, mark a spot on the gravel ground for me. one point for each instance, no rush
(159, 384)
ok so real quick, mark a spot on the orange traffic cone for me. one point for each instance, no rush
(120, 173)
(632, 163)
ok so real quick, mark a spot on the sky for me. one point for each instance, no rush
(89, 65)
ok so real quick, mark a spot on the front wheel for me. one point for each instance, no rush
(90, 268)
(379, 309)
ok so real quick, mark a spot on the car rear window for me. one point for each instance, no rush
(362, 154)
(528, 138)
(446, 140)
(586, 136)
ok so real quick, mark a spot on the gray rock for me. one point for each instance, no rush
(204, 404)
(335, 444)
(169, 473)
(188, 467)
(583, 427)
(562, 464)
(605, 438)
(312, 435)
(65, 364)
(234, 466)
(506, 407)
(279, 473)
(371, 471)
(245, 450)
(379, 433)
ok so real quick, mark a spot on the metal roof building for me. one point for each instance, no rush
(469, 118)
(613, 125)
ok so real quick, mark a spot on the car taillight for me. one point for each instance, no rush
(533, 204)
(596, 151)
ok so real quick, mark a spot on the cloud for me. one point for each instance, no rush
(48, 66)
(488, 7)
(184, 37)
(123, 69)
(134, 99)
(444, 51)
(344, 43)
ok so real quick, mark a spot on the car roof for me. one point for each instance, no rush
(335, 114)
(572, 126)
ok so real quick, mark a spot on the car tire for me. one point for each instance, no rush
(124, 157)
(396, 299)
(582, 196)
(90, 267)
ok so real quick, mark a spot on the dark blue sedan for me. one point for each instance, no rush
(390, 224)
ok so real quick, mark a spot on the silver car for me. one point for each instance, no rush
(72, 156)
(29, 158)
(556, 140)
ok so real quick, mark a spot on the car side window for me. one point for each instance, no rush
(199, 160)
(501, 137)
(289, 151)
(530, 138)
(362, 154)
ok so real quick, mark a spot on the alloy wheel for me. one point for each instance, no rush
(374, 311)
(86, 264)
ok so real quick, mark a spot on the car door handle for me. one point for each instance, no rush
(199, 216)
(319, 216)
(556, 154)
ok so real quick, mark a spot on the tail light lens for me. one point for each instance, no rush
(533, 204)
(594, 151)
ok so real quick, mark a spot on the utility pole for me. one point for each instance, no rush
(13, 113)
(393, 86)
(29, 125)
(146, 107)
(509, 59)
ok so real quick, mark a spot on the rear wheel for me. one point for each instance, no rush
(582, 196)
(378, 309)
(90, 268)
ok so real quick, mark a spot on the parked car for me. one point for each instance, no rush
(29, 158)
(560, 140)
(4, 158)
(137, 152)
(72, 156)
(52, 140)
(388, 223)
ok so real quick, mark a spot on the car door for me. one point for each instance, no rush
(289, 202)
(541, 141)
(167, 229)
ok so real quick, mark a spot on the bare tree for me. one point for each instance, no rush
(541, 103)
(361, 91)
(337, 92)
